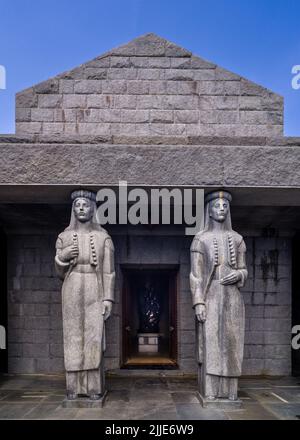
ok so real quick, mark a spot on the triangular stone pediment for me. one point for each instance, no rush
(149, 86)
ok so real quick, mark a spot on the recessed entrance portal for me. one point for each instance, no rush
(149, 318)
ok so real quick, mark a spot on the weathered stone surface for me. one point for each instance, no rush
(28, 127)
(65, 138)
(40, 115)
(66, 86)
(87, 86)
(162, 76)
(268, 166)
(23, 114)
(161, 116)
(26, 98)
(186, 165)
(74, 100)
(49, 86)
(49, 101)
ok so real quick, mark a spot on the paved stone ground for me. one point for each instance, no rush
(147, 398)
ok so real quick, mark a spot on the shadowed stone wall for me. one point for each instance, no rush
(268, 297)
(34, 302)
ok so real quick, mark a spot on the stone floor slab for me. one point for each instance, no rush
(287, 394)
(251, 411)
(121, 395)
(12, 411)
(290, 411)
(193, 411)
(185, 397)
(146, 398)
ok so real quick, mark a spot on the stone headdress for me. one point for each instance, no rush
(91, 196)
(209, 198)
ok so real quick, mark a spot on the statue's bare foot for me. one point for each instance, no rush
(232, 397)
(71, 396)
(210, 398)
(95, 396)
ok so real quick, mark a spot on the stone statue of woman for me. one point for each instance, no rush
(85, 261)
(218, 270)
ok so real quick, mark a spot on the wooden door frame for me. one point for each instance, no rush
(173, 270)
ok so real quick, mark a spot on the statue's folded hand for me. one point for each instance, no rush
(232, 278)
(68, 253)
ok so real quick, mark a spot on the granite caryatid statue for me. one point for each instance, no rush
(85, 261)
(218, 270)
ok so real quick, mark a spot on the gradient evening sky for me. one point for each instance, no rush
(258, 39)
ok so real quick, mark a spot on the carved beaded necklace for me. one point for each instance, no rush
(232, 255)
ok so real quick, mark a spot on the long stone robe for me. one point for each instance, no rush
(88, 281)
(220, 340)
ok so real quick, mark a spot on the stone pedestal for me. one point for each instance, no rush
(220, 403)
(84, 402)
(148, 343)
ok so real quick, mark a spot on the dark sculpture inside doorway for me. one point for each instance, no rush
(149, 309)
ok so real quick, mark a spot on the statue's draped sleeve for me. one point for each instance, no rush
(108, 271)
(61, 267)
(196, 274)
(241, 263)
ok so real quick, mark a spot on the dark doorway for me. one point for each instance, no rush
(3, 301)
(149, 318)
(296, 300)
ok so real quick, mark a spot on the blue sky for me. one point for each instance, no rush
(258, 39)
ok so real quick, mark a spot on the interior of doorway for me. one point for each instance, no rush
(149, 317)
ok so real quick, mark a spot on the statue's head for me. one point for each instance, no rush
(219, 205)
(83, 205)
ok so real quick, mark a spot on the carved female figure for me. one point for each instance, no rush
(85, 261)
(218, 270)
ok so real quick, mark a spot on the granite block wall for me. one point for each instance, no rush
(146, 89)
(268, 298)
